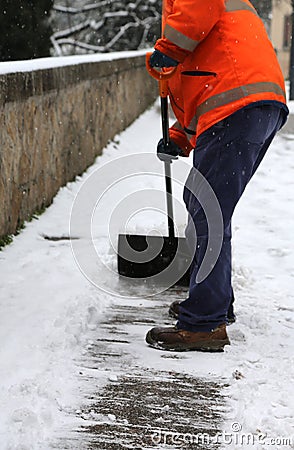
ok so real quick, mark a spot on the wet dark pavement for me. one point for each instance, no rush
(139, 407)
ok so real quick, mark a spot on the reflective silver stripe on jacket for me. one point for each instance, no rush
(177, 126)
(239, 5)
(231, 96)
(178, 38)
(183, 41)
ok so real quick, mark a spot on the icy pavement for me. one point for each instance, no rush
(75, 371)
(140, 406)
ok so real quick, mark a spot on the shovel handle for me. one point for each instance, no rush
(161, 76)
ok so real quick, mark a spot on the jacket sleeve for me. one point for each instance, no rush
(178, 136)
(187, 24)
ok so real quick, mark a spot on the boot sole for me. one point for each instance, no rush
(204, 346)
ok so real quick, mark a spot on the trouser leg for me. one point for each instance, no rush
(227, 155)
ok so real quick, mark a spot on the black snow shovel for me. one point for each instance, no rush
(164, 259)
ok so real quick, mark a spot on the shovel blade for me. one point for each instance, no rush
(165, 259)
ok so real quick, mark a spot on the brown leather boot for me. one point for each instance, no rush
(174, 309)
(171, 338)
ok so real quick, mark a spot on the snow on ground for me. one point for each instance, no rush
(48, 309)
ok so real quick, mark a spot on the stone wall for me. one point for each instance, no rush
(54, 122)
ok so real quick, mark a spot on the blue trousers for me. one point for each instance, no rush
(226, 155)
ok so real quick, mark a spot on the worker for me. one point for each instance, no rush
(228, 96)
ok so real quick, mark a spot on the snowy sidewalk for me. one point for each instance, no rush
(57, 361)
(141, 405)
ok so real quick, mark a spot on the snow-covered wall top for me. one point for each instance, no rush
(50, 63)
(22, 79)
(57, 116)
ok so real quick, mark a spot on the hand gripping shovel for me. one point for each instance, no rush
(165, 259)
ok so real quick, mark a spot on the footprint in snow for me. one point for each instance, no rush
(278, 252)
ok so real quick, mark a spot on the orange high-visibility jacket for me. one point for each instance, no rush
(226, 62)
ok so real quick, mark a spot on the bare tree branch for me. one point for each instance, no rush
(110, 25)
(86, 8)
